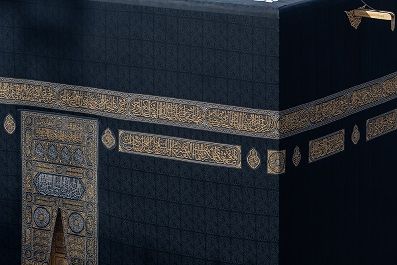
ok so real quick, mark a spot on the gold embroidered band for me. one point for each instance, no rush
(266, 124)
(328, 145)
(381, 125)
(180, 149)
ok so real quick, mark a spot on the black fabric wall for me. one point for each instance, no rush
(322, 54)
(10, 193)
(219, 58)
(151, 210)
(342, 209)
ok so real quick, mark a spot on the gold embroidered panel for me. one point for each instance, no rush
(381, 125)
(59, 171)
(180, 149)
(199, 115)
(276, 162)
(326, 146)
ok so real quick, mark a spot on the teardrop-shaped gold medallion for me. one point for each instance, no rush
(356, 135)
(9, 124)
(253, 159)
(108, 139)
(296, 157)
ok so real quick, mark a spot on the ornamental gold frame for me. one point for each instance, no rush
(83, 244)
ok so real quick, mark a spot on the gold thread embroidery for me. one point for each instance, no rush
(59, 150)
(356, 135)
(180, 149)
(108, 139)
(241, 121)
(296, 157)
(199, 115)
(382, 124)
(326, 146)
(276, 162)
(253, 159)
(93, 100)
(167, 111)
(9, 124)
(355, 21)
(337, 106)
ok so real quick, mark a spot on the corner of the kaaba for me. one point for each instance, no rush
(137, 133)
(184, 132)
(337, 200)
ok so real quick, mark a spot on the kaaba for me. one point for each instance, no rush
(198, 132)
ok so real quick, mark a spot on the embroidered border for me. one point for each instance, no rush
(142, 108)
(381, 125)
(180, 149)
(337, 106)
(199, 115)
(326, 146)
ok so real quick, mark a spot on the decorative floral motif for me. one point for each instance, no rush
(296, 157)
(65, 154)
(356, 135)
(78, 156)
(276, 162)
(108, 139)
(9, 124)
(76, 223)
(41, 217)
(39, 150)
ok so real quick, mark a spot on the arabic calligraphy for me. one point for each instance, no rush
(59, 186)
(180, 149)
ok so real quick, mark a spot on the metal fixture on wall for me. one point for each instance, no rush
(356, 15)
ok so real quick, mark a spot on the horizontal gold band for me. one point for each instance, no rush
(266, 124)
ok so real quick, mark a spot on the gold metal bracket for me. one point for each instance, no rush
(355, 16)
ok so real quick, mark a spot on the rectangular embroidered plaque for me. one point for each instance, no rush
(381, 125)
(326, 146)
(59, 188)
(180, 149)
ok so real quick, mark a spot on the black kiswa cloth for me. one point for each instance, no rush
(235, 67)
